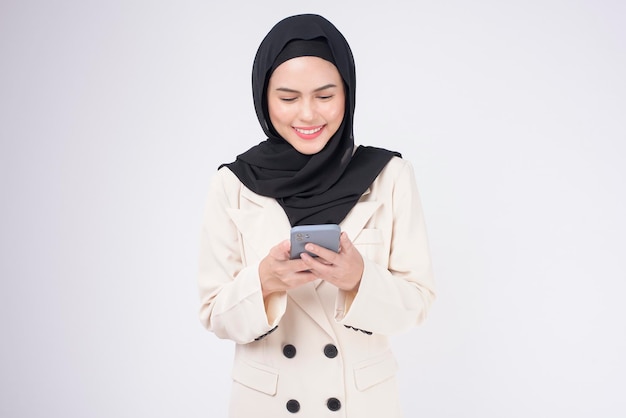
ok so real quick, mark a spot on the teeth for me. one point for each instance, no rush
(308, 131)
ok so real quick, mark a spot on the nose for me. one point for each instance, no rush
(307, 111)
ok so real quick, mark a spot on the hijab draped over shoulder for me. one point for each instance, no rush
(323, 187)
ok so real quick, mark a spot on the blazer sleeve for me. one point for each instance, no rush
(231, 299)
(393, 298)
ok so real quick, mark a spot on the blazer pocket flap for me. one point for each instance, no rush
(369, 236)
(375, 370)
(369, 242)
(256, 376)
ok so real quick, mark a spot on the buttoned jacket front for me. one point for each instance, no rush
(315, 351)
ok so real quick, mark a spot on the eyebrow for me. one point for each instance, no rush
(324, 87)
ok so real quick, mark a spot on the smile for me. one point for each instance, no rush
(309, 133)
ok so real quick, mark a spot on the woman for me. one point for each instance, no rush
(312, 333)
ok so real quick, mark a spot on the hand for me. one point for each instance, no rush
(343, 269)
(278, 273)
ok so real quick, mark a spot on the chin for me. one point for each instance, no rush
(309, 150)
(309, 147)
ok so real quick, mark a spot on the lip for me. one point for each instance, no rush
(315, 131)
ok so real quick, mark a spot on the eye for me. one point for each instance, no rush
(287, 99)
(326, 97)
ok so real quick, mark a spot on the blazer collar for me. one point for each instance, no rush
(262, 220)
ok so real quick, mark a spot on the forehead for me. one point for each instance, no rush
(305, 70)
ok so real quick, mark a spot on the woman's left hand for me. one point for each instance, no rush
(342, 269)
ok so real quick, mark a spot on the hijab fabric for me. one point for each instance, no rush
(312, 189)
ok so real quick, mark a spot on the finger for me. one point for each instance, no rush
(317, 265)
(322, 252)
(305, 276)
(281, 251)
(298, 278)
(299, 265)
(345, 245)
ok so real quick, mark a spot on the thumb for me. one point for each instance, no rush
(345, 242)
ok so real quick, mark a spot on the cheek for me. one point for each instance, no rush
(336, 113)
(278, 113)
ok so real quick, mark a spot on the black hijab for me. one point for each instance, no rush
(312, 189)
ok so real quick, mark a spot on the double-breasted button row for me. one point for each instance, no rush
(330, 351)
(333, 404)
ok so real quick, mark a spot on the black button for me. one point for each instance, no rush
(333, 404)
(330, 351)
(289, 351)
(293, 406)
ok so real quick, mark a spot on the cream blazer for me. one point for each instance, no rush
(315, 351)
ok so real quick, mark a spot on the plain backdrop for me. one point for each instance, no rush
(114, 115)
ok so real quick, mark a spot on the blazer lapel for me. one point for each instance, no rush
(263, 224)
(261, 221)
(307, 298)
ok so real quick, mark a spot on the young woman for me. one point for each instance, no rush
(312, 333)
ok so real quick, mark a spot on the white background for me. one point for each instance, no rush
(114, 115)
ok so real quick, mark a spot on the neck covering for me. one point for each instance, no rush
(312, 189)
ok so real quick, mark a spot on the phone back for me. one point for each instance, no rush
(324, 235)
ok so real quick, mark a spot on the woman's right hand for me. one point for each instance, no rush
(278, 273)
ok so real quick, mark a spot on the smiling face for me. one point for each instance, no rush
(306, 102)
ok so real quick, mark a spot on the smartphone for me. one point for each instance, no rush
(324, 235)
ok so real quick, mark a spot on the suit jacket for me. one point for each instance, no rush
(316, 350)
